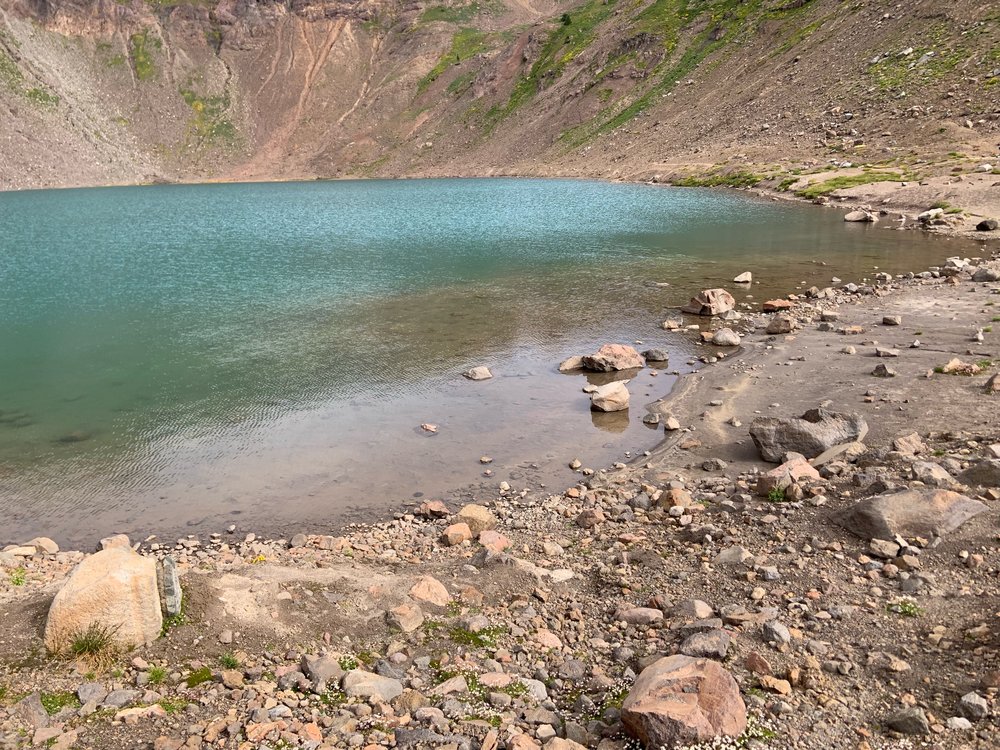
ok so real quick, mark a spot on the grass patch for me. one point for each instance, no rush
(348, 662)
(722, 179)
(485, 638)
(776, 495)
(53, 703)
(209, 123)
(817, 189)
(42, 97)
(198, 677)
(18, 576)
(173, 705)
(464, 44)
(157, 675)
(229, 661)
(140, 47)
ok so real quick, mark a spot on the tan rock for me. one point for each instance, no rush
(610, 397)
(710, 302)
(456, 534)
(44, 544)
(494, 541)
(429, 589)
(571, 364)
(775, 685)
(477, 517)
(777, 305)
(115, 589)
(682, 700)
(614, 357)
(118, 540)
(406, 617)
(522, 742)
(790, 472)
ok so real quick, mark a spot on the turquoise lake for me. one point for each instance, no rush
(182, 357)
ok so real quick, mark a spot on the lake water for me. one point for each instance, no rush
(184, 357)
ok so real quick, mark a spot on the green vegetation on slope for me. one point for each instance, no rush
(462, 13)
(466, 43)
(209, 121)
(140, 52)
(816, 189)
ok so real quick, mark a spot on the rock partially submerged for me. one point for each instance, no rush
(114, 590)
(611, 357)
(681, 700)
(813, 433)
(911, 513)
(726, 337)
(861, 216)
(610, 397)
(478, 373)
(710, 302)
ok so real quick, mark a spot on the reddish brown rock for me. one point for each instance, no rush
(681, 700)
(456, 534)
(777, 305)
(614, 357)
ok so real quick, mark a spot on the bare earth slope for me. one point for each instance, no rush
(126, 91)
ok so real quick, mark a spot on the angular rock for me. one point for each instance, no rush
(610, 397)
(611, 357)
(494, 540)
(983, 473)
(43, 544)
(324, 671)
(860, 216)
(360, 684)
(780, 324)
(726, 337)
(115, 589)
(456, 534)
(478, 373)
(911, 720)
(405, 617)
(169, 585)
(571, 364)
(786, 475)
(986, 274)
(656, 355)
(31, 711)
(909, 514)
(682, 700)
(931, 474)
(811, 434)
(118, 540)
(777, 305)
(477, 517)
(641, 616)
(910, 444)
(710, 302)
(429, 589)
(973, 706)
(744, 278)
(883, 371)
(711, 644)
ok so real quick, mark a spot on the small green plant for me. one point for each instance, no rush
(3, 692)
(905, 607)
(348, 662)
(198, 676)
(18, 576)
(157, 675)
(984, 364)
(996, 319)
(988, 329)
(485, 638)
(98, 639)
(565, 19)
(228, 661)
(722, 179)
(776, 495)
(173, 705)
(56, 702)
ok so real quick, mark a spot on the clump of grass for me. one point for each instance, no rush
(776, 495)
(348, 662)
(18, 576)
(905, 607)
(173, 705)
(485, 638)
(229, 661)
(157, 675)
(198, 676)
(97, 640)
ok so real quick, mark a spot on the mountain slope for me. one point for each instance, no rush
(121, 91)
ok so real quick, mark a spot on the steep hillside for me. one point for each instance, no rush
(122, 91)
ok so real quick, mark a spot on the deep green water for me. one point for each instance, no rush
(178, 355)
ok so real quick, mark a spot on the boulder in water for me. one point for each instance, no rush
(612, 357)
(710, 302)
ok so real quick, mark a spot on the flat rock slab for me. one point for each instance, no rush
(909, 514)
(814, 432)
(681, 700)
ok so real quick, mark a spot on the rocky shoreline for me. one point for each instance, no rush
(742, 591)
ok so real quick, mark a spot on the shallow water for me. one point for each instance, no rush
(182, 356)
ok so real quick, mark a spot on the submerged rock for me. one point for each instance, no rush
(710, 302)
(612, 357)
(610, 397)
(813, 433)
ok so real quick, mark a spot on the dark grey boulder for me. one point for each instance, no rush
(984, 473)
(988, 225)
(813, 433)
